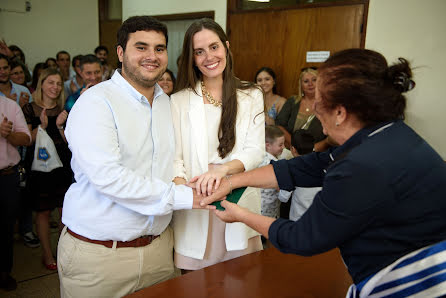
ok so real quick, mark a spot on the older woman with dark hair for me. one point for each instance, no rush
(383, 197)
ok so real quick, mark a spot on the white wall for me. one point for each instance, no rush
(415, 30)
(50, 26)
(144, 7)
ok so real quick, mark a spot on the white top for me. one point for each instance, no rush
(213, 117)
(300, 202)
(123, 151)
(193, 155)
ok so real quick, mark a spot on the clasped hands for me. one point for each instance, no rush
(210, 187)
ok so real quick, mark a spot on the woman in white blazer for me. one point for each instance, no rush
(219, 131)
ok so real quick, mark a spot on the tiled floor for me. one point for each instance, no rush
(33, 279)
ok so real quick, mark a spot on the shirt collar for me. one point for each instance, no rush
(358, 138)
(118, 79)
(270, 156)
(13, 86)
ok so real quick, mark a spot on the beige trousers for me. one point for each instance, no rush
(92, 270)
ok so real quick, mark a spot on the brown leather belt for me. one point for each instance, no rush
(7, 171)
(138, 242)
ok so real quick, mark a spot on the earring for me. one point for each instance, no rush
(337, 124)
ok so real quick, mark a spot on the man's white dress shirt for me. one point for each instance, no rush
(123, 150)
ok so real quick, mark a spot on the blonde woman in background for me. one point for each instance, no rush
(297, 112)
(47, 190)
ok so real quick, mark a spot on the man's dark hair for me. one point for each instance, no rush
(139, 23)
(61, 52)
(101, 48)
(89, 59)
(75, 58)
(6, 58)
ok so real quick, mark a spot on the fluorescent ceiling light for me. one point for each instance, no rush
(259, 0)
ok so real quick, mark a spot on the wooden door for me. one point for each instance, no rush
(280, 39)
(108, 30)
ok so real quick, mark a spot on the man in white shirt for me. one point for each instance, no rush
(120, 132)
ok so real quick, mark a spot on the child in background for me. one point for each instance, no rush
(302, 197)
(274, 144)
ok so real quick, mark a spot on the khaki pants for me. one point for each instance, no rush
(92, 270)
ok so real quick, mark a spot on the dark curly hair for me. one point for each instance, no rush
(361, 81)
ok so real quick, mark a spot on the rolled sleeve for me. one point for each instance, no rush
(304, 171)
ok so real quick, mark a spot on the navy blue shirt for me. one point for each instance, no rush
(382, 198)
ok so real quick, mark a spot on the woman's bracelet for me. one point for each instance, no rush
(60, 127)
(230, 184)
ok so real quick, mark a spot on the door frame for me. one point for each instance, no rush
(186, 16)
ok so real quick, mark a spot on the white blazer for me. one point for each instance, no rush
(191, 159)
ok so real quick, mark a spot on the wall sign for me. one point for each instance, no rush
(317, 56)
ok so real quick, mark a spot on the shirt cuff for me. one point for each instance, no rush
(184, 198)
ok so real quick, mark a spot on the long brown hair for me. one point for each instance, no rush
(189, 75)
(43, 76)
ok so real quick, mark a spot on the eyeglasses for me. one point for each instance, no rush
(308, 68)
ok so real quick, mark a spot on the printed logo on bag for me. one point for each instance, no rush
(43, 154)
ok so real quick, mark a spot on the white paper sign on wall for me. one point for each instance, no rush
(317, 56)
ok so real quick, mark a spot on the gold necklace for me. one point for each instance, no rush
(209, 96)
(307, 108)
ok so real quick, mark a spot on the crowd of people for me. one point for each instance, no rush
(148, 157)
